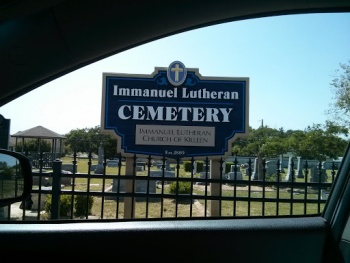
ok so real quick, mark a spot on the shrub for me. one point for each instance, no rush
(188, 167)
(228, 167)
(272, 178)
(65, 204)
(200, 167)
(180, 188)
(80, 205)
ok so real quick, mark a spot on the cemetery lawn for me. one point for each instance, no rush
(169, 208)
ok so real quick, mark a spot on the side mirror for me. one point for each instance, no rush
(15, 177)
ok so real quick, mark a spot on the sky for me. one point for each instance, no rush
(290, 62)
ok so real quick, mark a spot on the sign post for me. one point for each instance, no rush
(174, 113)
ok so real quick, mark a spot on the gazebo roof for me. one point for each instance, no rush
(38, 132)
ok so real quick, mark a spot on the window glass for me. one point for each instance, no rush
(294, 64)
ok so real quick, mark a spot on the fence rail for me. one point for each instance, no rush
(130, 189)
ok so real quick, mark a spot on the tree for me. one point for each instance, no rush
(32, 145)
(318, 142)
(89, 139)
(341, 89)
(262, 142)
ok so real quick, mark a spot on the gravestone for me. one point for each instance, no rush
(255, 170)
(281, 164)
(159, 173)
(232, 168)
(66, 180)
(69, 167)
(203, 175)
(328, 165)
(271, 167)
(44, 180)
(290, 173)
(313, 163)
(234, 176)
(244, 168)
(299, 172)
(157, 163)
(315, 176)
(167, 166)
(140, 187)
(206, 175)
(99, 167)
(194, 167)
(206, 167)
(112, 163)
(231, 175)
(140, 166)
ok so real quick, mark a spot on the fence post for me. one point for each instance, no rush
(129, 211)
(215, 173)
(56, 188)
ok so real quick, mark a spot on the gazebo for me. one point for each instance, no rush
(42, 133)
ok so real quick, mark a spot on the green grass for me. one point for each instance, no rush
(169, 208)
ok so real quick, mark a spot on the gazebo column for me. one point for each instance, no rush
(53, 150)
(61, 147)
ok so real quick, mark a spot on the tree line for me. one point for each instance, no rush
(318, 141)
(315, 142)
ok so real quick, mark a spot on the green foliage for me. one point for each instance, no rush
(341, 90)
(319, 142)
(315, 142)
(80, 205)
(7, 173)
(88, 140)
(273, 178)
(200, 166)
(3, 165)
(180, 187)
(263, 142)
(32, 145)
(66, 204)
(228, 167)
(188, 167)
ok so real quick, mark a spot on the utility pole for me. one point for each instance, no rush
(260, 165)
(262, 123)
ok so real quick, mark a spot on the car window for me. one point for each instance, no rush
(285, 165)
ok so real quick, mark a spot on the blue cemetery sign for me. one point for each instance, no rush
(174, 112)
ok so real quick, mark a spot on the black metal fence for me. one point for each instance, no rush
(132, 189)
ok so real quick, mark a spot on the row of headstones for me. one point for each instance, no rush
(292, 174)
(141, 185)
(271, 168)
